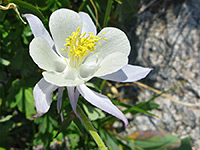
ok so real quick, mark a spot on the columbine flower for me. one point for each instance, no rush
(75, 55)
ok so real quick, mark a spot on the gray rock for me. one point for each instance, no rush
(168, 36)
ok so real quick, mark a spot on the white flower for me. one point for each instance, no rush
(75, 55)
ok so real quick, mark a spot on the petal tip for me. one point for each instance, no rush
(26, 15)
(125, 123)
(37, 115)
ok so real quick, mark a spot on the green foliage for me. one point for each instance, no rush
(19, 75)
(156, 140)
(93, 113)
(28, 7)
(185, 144)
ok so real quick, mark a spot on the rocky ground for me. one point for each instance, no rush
(168, 40)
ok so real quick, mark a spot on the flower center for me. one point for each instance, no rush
(79, 46)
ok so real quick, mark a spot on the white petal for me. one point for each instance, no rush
(117, 41)
(59, 102)
(42, 93)
(69, 77)
(62, 23)
(88, 25)
(59, 99)
(101, 102)
(73, 97)
(44, 56)
(38, 28)
(111, 63)
(129, 73)
(86, 72)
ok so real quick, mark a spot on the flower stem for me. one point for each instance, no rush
(107, 15)
(91, 129)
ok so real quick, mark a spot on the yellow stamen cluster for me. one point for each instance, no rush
(79, 46)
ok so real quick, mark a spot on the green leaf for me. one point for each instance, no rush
(92, 85)
(26, 104)
(73, 138)
(93, 16)
(118, 1)
(43, 125)
(148, 105)
(91, 129)
(109, 139)
(65, 123)
(93, 112)
(170, 89)
(107, 15)
(143, 105)
(126, 143)
(185, 144)
(29, 7)
(156, 140)
(4, 62)
(139, 108)
(21, 96)
(79, 126)
(6, 118)
(47, 6)
(102, 84)
(131, 145)
(6, 139)
(18, 98)
(15, 93)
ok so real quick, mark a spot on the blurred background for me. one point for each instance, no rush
(163, 109)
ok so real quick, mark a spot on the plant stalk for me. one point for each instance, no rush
(91, 129)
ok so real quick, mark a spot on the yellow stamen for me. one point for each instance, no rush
(79, 46)
(64, 49)
(104, 39)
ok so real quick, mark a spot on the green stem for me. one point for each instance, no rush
(91, 129)
(82, 5)
(93, 15)
(107, 15)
